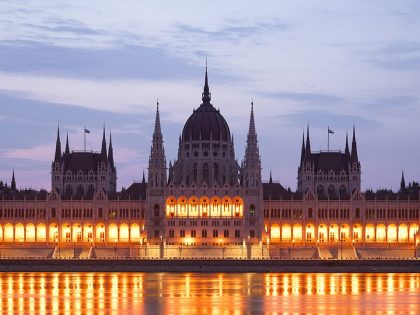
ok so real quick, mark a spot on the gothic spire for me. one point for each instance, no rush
(67, 144)
(143, 181)
(252, 162)
(13, 184)
(354, 156)
(308, 144)
(308, 141)
(302, 154)
(110, 152)
(157, 120)
(58, 147)
(347, 151)
(157, 159)
(271, 178)
(206, 96)
(402, 185)
(103, 149)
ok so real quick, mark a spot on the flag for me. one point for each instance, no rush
(87, 130)
(330, 131)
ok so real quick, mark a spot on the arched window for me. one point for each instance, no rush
(80, 190)
(69, 190)
(252, 210)
(53, 213)
(195, 172)
(343, 190)
(100, 214)
(331, 191)
(156, 210)
(206, 173)
(216, 172)
(320, 190)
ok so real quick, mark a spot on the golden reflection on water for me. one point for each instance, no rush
(191, 293)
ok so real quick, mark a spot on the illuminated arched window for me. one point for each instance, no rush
(252, 210)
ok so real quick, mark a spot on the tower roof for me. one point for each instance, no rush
(57, 156)
(110, 151)
(103, 149)
(206, 122)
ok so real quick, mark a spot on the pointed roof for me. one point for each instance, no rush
(158, 129)
(110, 151)
(402, 185)
(13, 184)
(57, 146)
(103, 149)
(354, 157)
(271, 178)
(143, 179)
(347, 151)
(206, 96)
(251, 129)
(302, 154)
(308, 144)
(67, 144)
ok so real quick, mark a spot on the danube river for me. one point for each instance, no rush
(193, 293)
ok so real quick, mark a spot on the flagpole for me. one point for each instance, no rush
(328, 132)
(84, 137)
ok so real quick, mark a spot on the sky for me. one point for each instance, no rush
(324, 63)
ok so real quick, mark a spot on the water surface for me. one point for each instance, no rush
(192, 293)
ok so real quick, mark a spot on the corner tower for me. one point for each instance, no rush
(157, 181)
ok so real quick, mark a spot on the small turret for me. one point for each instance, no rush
(110, 152)
(308, 145)
(354, 157)
(67, 151)
(347, 151)
(13, 184)
(103, 149)
(402, 184)
(57, 157)
(302, 153)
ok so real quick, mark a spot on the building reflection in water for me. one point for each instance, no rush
(189, 293)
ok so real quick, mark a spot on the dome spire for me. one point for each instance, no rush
(206, 96)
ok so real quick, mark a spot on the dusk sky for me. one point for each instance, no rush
(326, 63)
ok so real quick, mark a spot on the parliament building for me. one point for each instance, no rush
(206, 204)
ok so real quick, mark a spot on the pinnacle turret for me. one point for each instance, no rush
(57, 157)
(354, 157)
(13, 184)
(206, 96)
(302, 153)
(347, 151)
(402, 184)
(110, 152)
(157, 120)
(103, 149)
(67, 144)
(157, 161)
(252, 162)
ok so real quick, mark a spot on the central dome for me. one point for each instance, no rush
(206, 122)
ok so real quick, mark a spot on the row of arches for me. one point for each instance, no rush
(204, 207)
(70, 232)
(402, 233)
